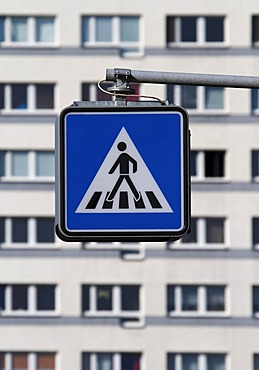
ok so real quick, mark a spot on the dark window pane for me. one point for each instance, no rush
(46, 297)
(189, 298)
(2, 164)
(255, 299)
(254, 99)
(214, 29)
(2, 100)
(130, 361)
(215, 298)
(255, 230)
(255, 28)
(130, 298)
(45, 230)
(189, 361)
(19, 297)
(19, 230)
(192, 236)
(170, 93)
(104, 298)
(2, 230)
(85, 298)
(189, 97)
(193, 163)
(256, 362)
(188, 29)
(2, 33)
(255, 163)
(214, 164)
(215, 362)
(45, 96)
(19, 96)
(86, 92)
(170, 298)
(2, 361)
(215, 230)
(170, 361)
(101, 96)
(86, 361)
(2, 299)
(85, 29)
(214, 97)
(170, 29)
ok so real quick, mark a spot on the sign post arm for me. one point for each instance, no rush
(198, 79)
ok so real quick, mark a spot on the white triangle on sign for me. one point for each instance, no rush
(124, 200)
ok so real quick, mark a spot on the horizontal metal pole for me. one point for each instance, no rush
(154, 77)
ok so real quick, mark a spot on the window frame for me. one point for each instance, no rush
(175, 91)
(31, 302)
(115, 35)
(32, 358)
(31, 167)
(202, 310)
(176, 359)
(31, 234)
(31, 32)
(116, 359)
(201, 32)
(31, 99)
(201, 233)
(116, 304)
(200, 162)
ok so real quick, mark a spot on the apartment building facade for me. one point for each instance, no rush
(188, 305)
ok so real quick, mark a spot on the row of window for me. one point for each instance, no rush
(41, 96)
(207, 231)
(120, 300)
(32, 165)
(27, 360)
(120, 31)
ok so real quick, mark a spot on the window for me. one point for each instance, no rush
(27, 97)
(27, 31)
(255, 300)
(90, 92)
(26, 232)
(114, 31)
(198, 99)
(27, 360)
(27, 165)
(196, 299)
(112, 301)
(21, 299)
(255, 232)
(255, 30)
(255, 165)
(196, 361)
(256, 362)
(207, 164)
(106, 361)
(196, 31)
(204, 232)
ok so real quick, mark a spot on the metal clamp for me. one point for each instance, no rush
(121, 77)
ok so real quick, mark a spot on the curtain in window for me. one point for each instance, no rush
(214, 98)
(103, 29)
(216, 298)
(46, 361)
(45, 164)
(20, 361)
(104, 362)
(215, 362)
(19, 164)
(190, 362)
(129, 29)
(215, 230)
(189, 298)
(19, 29)
(45, 29)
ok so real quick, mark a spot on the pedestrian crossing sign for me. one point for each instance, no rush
(123, 173)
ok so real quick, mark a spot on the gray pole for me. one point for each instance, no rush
(249, 82)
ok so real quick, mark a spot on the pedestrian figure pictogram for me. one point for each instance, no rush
(123, 183)
(123, 162)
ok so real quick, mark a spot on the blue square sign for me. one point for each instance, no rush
(122, 173)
